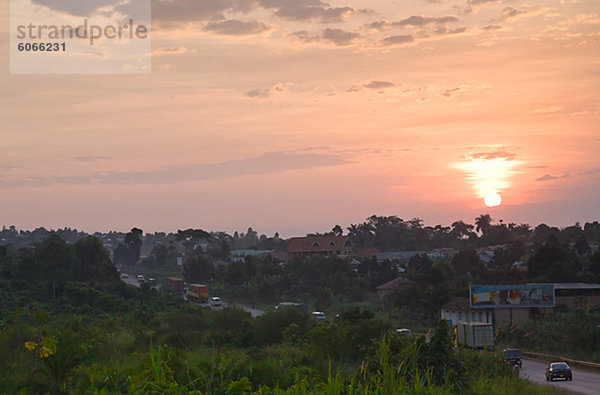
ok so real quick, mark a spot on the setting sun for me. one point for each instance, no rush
(492, 199)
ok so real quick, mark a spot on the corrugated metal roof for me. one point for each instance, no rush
(570, 285)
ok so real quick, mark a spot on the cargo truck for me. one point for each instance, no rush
(476, 335)
(175, 285)
(197, 292)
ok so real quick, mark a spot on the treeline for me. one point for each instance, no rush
(386, 233)
(391, 233)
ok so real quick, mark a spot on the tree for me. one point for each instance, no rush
(54, 261)
(462, 231)
(467, 262)
(92, 261)
(483, 223)
(337, 230)
(198, 268)
(133, 241)
(546, 255)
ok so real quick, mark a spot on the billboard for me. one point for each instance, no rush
(529, 295)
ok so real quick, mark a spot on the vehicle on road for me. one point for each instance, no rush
(475, 335)
(404, 331)
(285, 305)
(152, 281)
(140, 278)
(198, 293)
(215, 301)
(512, 356)
(124, 275)
(558, 370)
(319, 315)
(175, 285)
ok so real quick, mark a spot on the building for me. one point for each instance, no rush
(319, 245)
(391, 286)
(459, 310)
(567, 296)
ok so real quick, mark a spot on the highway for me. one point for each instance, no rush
(584, 381)
(132, 280)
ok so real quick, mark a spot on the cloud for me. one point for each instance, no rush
(526, 12)
(493, 155)
(548, 110)
(480, 2)
(264, 93)
(259, 93)
(338, 36)
(206, 10)
(301, 11)
(455, 91)
(267, 163)
(233, 27)
(371, 85)
(547, 177)
(419, 20)
(379, 85)
(82, 8)
(89, 158)
(414, 20)
(169, 51)
(491, 27)
(442, 30)
(397, 40)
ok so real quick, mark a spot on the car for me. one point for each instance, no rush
(140, 278)
(152, 281)
(512, 356)
(404, 331)
(558, 370)
(124, 275)
(215, 301)
(319, 315)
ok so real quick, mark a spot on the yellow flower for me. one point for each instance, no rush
(30, 345)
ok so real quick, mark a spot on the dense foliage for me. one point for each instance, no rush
(573, 334)
(144, 341)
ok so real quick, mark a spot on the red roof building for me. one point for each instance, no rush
(319, 245)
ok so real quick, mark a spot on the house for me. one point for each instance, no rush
(319, 245)
(566, 296)
(459, 310)
(398, 256)
(391, 286)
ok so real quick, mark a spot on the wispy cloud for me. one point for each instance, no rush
(267, 163)
(233, 27)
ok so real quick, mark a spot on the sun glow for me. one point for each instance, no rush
(492, 199)
(489, 174)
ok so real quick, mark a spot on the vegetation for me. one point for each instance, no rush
(87, 332)
(574, 334)
(73, 326)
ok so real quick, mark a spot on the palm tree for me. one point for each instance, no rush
(483, 223)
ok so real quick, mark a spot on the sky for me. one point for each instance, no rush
(293, 116)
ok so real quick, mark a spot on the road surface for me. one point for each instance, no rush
(132, 280)
(584, 381)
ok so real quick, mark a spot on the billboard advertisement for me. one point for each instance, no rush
(528, 295)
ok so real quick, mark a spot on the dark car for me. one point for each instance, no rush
(558, 370)
(512, 356)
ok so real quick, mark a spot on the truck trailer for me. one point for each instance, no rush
(175, 285)
(476, 335)
(197, 292)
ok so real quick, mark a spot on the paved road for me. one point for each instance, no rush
(132, 280)
(584, 381)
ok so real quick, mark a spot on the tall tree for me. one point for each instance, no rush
(483, 223)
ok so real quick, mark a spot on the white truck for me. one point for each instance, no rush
(476, 335)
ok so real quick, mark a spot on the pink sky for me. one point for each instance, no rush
(296, 118)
